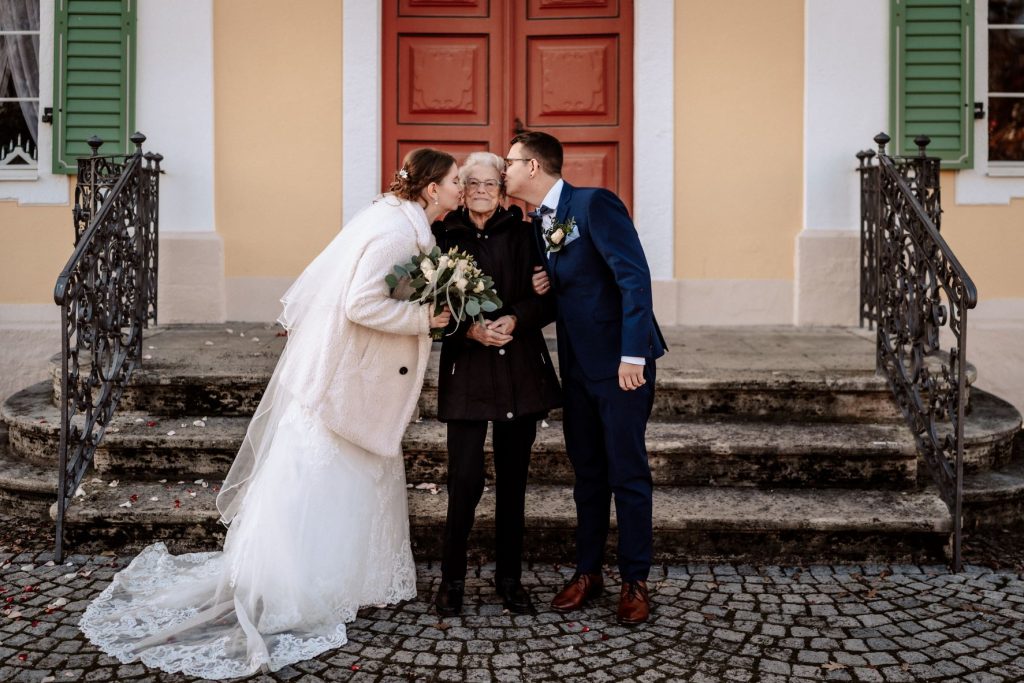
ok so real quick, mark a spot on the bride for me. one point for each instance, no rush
(316, 497)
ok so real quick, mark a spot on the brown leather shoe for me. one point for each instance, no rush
(581, 589)
(634, 603)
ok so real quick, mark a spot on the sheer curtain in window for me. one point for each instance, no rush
(19, 57)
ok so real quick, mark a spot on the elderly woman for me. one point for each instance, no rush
(496, 372)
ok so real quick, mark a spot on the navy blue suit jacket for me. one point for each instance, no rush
(603, 286)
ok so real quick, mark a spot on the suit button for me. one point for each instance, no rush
(509, 415)
(402, 371)
(501, 352)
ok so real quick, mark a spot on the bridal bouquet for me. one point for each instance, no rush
(441, 279)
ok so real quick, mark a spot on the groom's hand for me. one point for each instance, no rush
(541, 283)
(486, 336)
(631, 376)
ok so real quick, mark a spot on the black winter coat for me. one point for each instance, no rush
(480, 382)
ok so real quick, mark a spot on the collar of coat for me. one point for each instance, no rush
(458, 222)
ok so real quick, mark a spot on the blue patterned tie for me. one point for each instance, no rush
(540, 212)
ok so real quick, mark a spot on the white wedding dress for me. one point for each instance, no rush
(322, 531)
(319, 526)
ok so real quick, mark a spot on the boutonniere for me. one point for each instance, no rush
(558, 234)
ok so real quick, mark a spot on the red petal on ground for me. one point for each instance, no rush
(586, 629)
(177, 503)
(134, 498)
(34, 624)
(355, 667)
(23, 657)
(151, 423)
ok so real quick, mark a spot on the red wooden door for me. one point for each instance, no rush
(461, 74)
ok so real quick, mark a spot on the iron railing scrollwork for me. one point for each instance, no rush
(107, 293)
(913, 286)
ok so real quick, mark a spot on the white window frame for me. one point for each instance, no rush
(43, 187)
(998, 168)
(988, 182)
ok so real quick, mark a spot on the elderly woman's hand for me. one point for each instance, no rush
(487, 336)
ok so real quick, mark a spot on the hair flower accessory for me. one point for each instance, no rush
(403, 174)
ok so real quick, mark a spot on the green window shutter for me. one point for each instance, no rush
(932, 79)
(94, 78)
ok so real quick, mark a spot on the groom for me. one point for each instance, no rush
(608, 341)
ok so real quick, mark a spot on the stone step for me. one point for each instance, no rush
(992, 499)
(682, 453)
(756, 374)
(735, 523)
(690, 523)
(26, 490)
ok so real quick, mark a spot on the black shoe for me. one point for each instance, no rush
(513, 596)
(448, 601)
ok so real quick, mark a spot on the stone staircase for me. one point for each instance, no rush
(766, 444)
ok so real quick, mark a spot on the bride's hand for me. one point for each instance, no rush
(441, 319)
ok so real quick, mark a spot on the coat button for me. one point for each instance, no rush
(403, 370)
(509, 415)
(501, 352)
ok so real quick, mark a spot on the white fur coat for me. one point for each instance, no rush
(356, 356)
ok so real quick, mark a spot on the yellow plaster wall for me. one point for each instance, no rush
(987, 240)
(739, 138)
(277, 90)
(35, 243)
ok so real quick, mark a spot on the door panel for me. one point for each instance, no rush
(572, 9)
(459, 73)
(571, 81)
(446, 79)
(443, 8)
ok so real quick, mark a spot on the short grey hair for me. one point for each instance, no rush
(486, 159)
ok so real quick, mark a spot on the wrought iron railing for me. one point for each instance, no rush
(913, 286)
(107, 294)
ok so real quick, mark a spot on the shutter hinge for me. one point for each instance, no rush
(979, 110)
(47, 115)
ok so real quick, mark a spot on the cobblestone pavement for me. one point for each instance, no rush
(710, 623)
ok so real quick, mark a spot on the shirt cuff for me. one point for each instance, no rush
(634, 360)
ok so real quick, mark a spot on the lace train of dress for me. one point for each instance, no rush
(322, 530)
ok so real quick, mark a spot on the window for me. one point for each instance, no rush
(19, 88)
(1005, 82)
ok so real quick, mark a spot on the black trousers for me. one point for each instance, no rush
(513, 441)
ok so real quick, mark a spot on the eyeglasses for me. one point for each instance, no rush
(489, 185)
(508, 161)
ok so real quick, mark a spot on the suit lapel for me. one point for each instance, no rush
(561, 215)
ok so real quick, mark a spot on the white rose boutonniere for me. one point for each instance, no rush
(557, 234)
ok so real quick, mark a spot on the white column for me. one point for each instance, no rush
(846, 103)
(361, 105)
(174, 106)
(653, 133)
(846, 86)
(175, 110)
